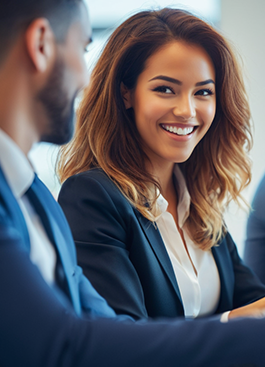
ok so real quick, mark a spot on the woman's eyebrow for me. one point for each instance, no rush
(167, 79)
(208, 81)
(176, 81)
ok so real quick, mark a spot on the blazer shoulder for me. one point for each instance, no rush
(94, 188)
(92, 181)
(94, 174)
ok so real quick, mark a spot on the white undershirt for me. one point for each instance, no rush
(200, 293)
(20, 175)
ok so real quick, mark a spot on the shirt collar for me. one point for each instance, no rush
(15, 165)
(183, 199)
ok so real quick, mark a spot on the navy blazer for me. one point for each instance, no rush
(124, 256)
(76, 288)
(40, 329)
(254, 254)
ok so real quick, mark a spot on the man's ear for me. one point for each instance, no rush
(40, 43)
(126, 96)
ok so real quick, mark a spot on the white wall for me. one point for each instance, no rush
(242, 21)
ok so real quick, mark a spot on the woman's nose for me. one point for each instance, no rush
(184, 107)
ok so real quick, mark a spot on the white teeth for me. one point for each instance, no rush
(178, 130)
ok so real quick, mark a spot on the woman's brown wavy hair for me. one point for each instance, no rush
(106, 135)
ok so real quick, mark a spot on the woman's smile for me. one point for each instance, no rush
(178, 130)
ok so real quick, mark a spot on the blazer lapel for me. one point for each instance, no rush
(154, 238)
(58, 239)
(226, 274)
(13, 208)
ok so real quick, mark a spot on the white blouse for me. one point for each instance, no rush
(200, 293)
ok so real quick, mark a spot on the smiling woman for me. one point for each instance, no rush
(160, 148)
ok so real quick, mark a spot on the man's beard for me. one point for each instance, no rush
(59, 110)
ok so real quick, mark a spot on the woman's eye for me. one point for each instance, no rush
(163, 89)
(204, 92)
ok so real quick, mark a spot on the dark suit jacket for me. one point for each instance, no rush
(254, 254)
(123, 254)
(38, 328)
(76, 289)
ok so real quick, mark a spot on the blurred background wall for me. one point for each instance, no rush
(241, 21)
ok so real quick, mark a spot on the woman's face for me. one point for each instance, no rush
(174, 101)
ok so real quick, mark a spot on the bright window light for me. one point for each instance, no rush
(105, 13)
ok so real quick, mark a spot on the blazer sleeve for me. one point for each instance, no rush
(254, 254)
(100, 219)
(247, 286)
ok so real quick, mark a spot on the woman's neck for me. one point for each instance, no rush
(164, 176)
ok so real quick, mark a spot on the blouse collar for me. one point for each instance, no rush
(183, 208)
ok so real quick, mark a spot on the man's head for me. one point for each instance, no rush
(44, 41)
(16, 15)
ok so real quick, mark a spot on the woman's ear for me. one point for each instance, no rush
(126, 96)
(40, 43)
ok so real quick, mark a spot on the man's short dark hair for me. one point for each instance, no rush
(16, 15)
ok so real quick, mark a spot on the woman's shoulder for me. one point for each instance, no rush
(93, 182)
(96, 175)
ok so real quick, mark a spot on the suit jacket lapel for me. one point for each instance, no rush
(10, 202)
(59, 240)
(154, 238)
(226, 274)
